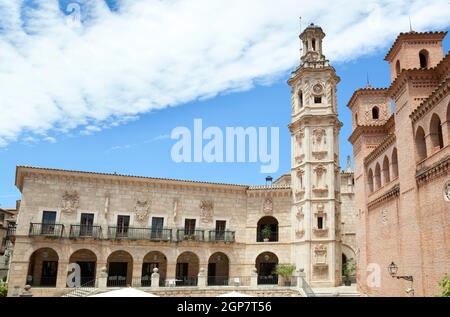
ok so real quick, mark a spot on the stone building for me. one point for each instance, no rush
(131, 225)
(7, 222)
(401, 144)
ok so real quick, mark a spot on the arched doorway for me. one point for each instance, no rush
(87, 260)
(120, 269)
(265, 265)
(43, 268)
(218, 269)
(188, 266)
(267, 229)
(154, 259)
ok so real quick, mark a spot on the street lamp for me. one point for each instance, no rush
(393, 269)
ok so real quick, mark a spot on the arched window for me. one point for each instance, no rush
(437, 139)
(267, 230)
(375, 113)
(300, 99)
(377, 176)
(386, 171)
(370, 181)
(397, 68)
(394, 164)
(356, 119)
(423, 57)
(421, 148)
(314, 44)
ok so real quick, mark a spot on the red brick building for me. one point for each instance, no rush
(401, 144)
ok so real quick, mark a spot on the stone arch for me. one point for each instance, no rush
(370, 180)
(377, 176)
(421, 147)
(394, 163)
(218, 269)
(386, 171)
(424, 58)
(263, 226)
(437, 140)
(265, 264)
(120, 269)
(152, 260)
(43, 268)
(87, 260)
(188, 267)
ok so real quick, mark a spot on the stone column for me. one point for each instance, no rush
(254, 278)
(137, 274)
(429, 145)
(201, 278)
(155, 278)
(102, 279)
(300, 276)
(61, 278)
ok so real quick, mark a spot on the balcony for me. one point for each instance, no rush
(51, 230)
(11, 231)
(272, 237)
(129, 233)
(85, 232)
(190, 235)
(221, 236)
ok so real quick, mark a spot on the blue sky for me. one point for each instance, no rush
(128, 137)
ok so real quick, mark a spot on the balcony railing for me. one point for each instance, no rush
(221, 236)
(46, 230)
(190, 235)
(85, 231)
(268, 280)
(11, 231)
(130, 233)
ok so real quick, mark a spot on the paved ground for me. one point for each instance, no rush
(342, 291)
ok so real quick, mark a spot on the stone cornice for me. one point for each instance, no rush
(380, 149)
(418, 36)
(440, 168)
(300, 71)
(411, 74)
(365, 129)
(28, 171)
(436, 96)
(390, 194)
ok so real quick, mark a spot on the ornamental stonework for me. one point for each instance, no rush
(447, 191)
(70, 202)
(206, 211)
(268, 206)
(142, 211)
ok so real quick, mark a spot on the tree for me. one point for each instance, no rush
(286, 271)
(445, 285)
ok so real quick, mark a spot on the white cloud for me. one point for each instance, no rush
(152, 54)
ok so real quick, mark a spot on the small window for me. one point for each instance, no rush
(189, 226)
(375, 113)
(300, 99)
(423, 57)
(356, 119)
(397, 68)
(320, 223)
(314, 44)
(317, 100)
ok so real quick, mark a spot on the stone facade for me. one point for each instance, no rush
(188, 229)
(402, 158)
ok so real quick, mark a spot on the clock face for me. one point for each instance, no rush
(317, 89)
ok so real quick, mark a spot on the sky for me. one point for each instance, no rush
(100, 85)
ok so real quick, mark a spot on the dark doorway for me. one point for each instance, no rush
(266, 274)
(87, 273)
(212, 278)
(147, 271)
(182, 274)
(117, 274)
(49, 273)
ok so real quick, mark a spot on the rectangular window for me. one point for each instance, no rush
(317, 100)
(123, 223)
(319, 222)
(48, 222)
(86, 224)
(220, 229)
(189, 226)
(157, 227)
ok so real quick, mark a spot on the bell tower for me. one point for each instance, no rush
(315, 170)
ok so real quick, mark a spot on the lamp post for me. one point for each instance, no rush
(393, 269)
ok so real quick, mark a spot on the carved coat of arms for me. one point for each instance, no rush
(142, 211)
(268, 206)
(70, 202)
(207, 211)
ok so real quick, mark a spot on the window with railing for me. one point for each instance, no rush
(46, 229)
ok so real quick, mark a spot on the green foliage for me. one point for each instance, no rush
(349, 268)
(445, 285)
(285, 270)
(266, 232)
(3, 290)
